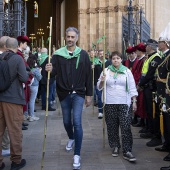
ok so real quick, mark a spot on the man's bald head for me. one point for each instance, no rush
(3, 43)
(12, 44)
(44, 50)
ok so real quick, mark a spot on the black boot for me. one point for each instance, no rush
(135, 120)
(140, 124)
(165, 168)
(154, 142)
(24, 128)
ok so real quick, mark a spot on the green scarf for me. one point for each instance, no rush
(42, 58)
(93, 61)
(99, 62)
(63, 52)
(120, 70)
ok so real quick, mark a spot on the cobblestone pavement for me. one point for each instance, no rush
(93, 155)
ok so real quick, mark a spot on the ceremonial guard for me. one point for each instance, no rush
(163, 69)
(132, 60)
(168, 110)
(140, 51)
(147, 83)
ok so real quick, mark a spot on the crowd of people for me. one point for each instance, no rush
(127, 92)
(17, 103)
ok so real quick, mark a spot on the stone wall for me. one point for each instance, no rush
(91, 14)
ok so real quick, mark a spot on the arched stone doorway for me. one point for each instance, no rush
(64, 13)
(66, 16)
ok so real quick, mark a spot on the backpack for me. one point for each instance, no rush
(5, 78)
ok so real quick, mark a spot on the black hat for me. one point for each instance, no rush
(152, 42)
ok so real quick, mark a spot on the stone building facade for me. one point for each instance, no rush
(91, 14)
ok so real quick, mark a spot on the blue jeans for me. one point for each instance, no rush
(72, 107)
(100, 104)
(31, 104)
(53, 91)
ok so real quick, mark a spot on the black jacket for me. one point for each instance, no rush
(15, 93)
(98, 69)
(69, 79)
(44, 74)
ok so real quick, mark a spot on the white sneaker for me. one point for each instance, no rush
(31, 119)
(26, 118)
(69, 145)
(100, 115)
(54, 101)
(6, 152)
(36, 118)
(76, 163)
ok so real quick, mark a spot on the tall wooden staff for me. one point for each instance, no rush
(93, 81)
(104, 51)
(93, 86)
(47, 96)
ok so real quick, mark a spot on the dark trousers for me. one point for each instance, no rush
(153, 124)
(43, 94)
(166, 121)
(166, 116)
(149, 109)
(119, 115)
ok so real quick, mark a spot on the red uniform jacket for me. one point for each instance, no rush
(141, 111)
(132, 66)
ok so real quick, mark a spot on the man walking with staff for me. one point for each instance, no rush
(72, 68)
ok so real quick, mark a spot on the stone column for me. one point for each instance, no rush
(82, 24)
(57, 23)
(91, 12)
(119, 9)
(101, 15)
(110, 25)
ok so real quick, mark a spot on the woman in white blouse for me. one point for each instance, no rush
(120, 94)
